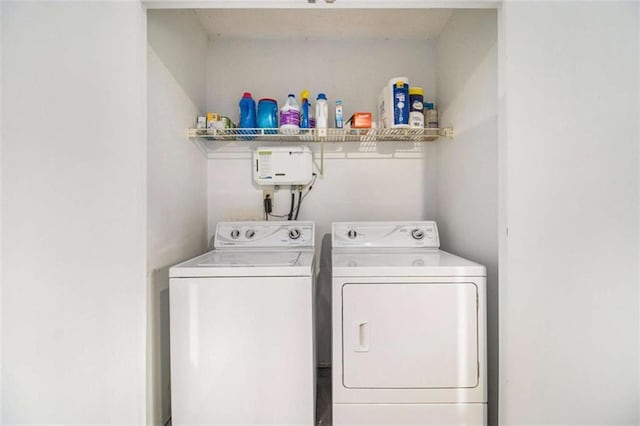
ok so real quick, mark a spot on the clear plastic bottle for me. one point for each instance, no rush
(339, 117)
(322, 111)
(312, 118)
(290, 116)
(431, 115)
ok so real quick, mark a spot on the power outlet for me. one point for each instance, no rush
(268, 193)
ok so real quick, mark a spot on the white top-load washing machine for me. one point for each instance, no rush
(241, 322)
(409, 324)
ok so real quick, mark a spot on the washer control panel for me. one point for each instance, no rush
(386, 234)
(264, 234)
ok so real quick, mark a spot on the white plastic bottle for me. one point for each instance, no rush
(322, 113)
(290, 116)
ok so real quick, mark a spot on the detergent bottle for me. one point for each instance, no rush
(247, 112)
(290, 116)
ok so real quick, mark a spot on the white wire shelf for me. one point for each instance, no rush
(322, 135)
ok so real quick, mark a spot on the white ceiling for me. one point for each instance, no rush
(325, 24)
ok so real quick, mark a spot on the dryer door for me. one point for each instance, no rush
(410, 335)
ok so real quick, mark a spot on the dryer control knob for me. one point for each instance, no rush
(250, 233)
(294, 233)
(235, 234)
(417, 234)
(352, 233)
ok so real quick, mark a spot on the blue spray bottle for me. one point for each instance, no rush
(305, 110)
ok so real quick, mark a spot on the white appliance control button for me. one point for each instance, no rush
(351, 233)
(235, 234)
(250, 233)
(294, 233)
(417, 234)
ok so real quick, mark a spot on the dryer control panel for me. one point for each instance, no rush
(264, 234)
(386, 234)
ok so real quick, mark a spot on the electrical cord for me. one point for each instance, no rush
(299, 203)
(302, 197)
(289, 215)
(293, 201)
(310, 186)
(268, 203)
(267, 207)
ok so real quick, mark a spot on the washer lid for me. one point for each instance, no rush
(236, 263)
(402, 263)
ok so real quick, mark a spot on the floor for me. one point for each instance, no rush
(323, 397)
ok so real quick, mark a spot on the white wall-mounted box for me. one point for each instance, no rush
(286, 165)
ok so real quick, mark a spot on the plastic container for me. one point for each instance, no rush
(212, 119)
(247, 112)
(247, 116)
(322, 111)
(290, 116)
(339, 116)
(305, 110)
(431, 115)
(268, 114)
(393, 104)
(399, 90)
(416, 110)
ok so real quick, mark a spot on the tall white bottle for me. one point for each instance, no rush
(322, 114)
(290, 116)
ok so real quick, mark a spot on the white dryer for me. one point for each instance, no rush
(409, 328)
(241, 322)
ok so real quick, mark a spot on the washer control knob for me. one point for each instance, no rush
(351, 233)
(235, 234)
(250, 233)
(417, 234)
(294, 233)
